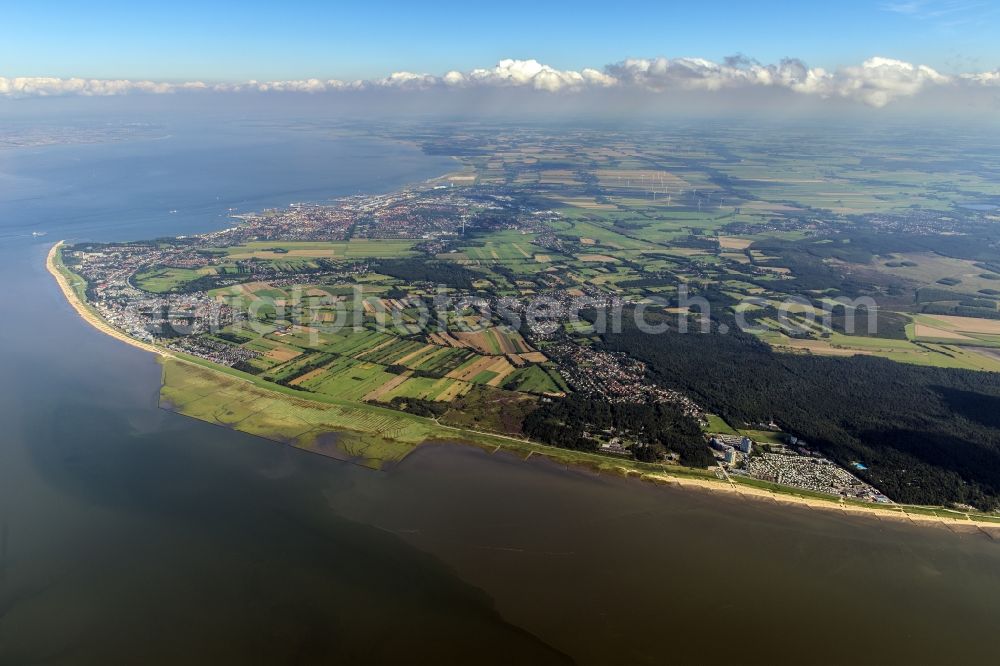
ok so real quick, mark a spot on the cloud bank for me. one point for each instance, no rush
(875, 82)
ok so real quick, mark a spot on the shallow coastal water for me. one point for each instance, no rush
(131, 534)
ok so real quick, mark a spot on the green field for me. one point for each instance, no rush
(935, 353)
(534, 379)
(716, 424)
(347, 379)
(293, 250)
(162, 280)
(379, 436)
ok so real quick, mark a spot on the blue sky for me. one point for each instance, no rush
(238, 41)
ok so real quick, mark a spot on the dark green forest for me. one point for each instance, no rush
(927, 435)
(421, 270)
(661, 427)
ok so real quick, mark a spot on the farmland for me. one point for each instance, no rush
(353, 249)
(371, 437)
(415, 303)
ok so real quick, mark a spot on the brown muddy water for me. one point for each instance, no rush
(129, 534)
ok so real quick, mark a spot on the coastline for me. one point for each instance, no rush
(920, 516)
(902, 512)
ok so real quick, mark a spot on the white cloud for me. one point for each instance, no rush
(983, 78)
(876, 82)
(406, 80)
(46, 86)
(306, 85)
(662, 74)
(533, 74)
(507, 73)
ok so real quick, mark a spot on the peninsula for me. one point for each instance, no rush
(538, 320)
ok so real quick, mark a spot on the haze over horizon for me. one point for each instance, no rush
(919, 54)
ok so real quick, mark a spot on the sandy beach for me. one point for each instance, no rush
(895, 512)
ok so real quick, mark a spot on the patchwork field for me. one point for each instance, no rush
(369, 436)
(927, 268)
(971, 325)
(942, 353)
(972, 331)
(422, 388)
(347, 379)
(362, 433)
(489, 370)
(925, 332)
(733, 243)
(597, 258)
(495, 341)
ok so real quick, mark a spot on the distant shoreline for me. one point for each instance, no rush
(903, 513)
